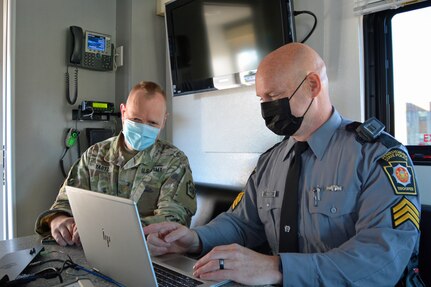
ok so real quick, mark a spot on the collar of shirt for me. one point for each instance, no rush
(115, 154)
(320, 139)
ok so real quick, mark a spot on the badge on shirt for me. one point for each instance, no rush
(270, 194)
(237, 200)
(399, 171)
(191, 192)
(158, 168)
(102, 168)
(404, 211)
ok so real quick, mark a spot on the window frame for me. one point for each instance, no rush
(378, 73)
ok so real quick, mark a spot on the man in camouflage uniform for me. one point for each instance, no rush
(135, 164)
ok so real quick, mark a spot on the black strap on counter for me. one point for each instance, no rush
(289, 210)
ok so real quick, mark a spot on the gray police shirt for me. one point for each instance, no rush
(358, 211)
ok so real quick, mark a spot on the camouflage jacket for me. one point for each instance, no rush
(159, 179)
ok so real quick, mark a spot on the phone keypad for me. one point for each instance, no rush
(97, 61)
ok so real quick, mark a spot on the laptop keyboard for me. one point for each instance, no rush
(169, 278)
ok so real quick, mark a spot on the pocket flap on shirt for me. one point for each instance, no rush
(333, 203)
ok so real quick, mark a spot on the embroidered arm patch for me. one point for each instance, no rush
(398, 168)
(404, 211)
(191, 192)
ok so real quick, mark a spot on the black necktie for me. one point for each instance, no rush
(289, 210)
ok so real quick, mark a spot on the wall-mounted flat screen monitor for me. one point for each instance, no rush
(217, 44)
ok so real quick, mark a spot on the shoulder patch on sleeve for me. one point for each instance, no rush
(237, 200)
(404, 211)
(398, 168)
(191, 191)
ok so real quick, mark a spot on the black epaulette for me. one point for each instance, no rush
(372, 131)
(353, 126)
(388, 141)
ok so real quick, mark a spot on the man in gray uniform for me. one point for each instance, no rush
(135, 164)
(357, 202)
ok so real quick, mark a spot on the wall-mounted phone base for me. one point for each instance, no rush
(78, 115)
(89, 50)
(119, 56)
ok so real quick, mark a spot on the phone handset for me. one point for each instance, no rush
(75, 51)
(77, 45)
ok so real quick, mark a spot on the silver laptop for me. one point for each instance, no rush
(114, 243)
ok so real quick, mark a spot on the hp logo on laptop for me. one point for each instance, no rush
(107, 238)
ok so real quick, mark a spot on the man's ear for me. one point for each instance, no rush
(314, 84)
(122, 111)
(164, 120)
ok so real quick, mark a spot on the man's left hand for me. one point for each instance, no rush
(240, 264)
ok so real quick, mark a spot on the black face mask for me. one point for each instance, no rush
(278, 116)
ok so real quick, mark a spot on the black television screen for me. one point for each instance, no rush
(216, 44)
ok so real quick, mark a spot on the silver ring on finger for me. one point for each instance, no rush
(221, 264)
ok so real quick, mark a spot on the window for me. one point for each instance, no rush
(7, 201)
(397, 60)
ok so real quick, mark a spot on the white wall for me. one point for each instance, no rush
(2, 197)
(41, 111)
(222, 134)
(142, 34)
(424, 183)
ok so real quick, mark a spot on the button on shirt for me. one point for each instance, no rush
(346, 235)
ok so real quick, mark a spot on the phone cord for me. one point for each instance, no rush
(75, 96)
(63, 171)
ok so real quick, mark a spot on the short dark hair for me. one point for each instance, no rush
(149, 88)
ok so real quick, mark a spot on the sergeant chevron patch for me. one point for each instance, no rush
(405, 211)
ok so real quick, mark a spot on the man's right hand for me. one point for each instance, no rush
(171, 237)
(64, 231)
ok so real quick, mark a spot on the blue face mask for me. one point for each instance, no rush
(139, 136)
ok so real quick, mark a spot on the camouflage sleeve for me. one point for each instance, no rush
(177, 200)
(79, 177)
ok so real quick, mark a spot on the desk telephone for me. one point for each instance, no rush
(89, 50)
